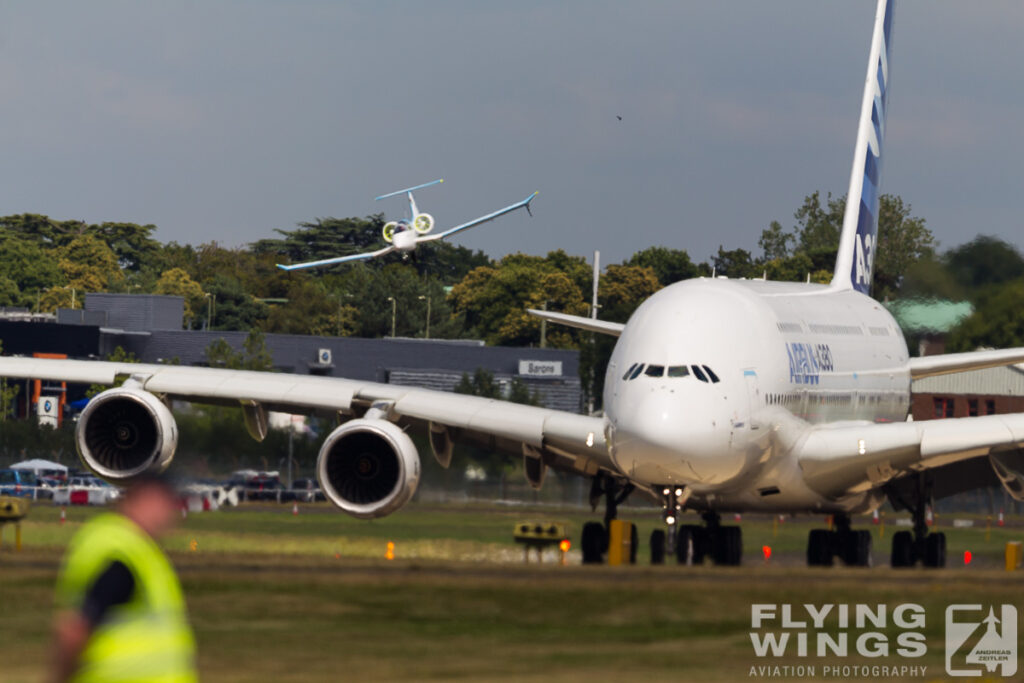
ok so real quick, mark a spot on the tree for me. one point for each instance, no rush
(29, 266)
(253, 356)
(177, 282)
(775, 243)
(89, 265)
(985, 260)
(7, 393)
(132, 244)
(669, 265)
(735, 263)
(903, 240)
(996, 321)
(493, 299)
(232, 307)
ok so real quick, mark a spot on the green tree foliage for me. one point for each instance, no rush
(233, 308)
(482, 383)
(132, 244)
(8, 393)
(997, 321)
(984, 261)
(253, 355)
(493, 300)
(177, 282)
(668, 265)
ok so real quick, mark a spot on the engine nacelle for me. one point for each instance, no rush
(368, 467)
(423, 223)
(124, 432)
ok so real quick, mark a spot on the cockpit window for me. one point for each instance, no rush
(631, 369)
(636, 373)
(678, 371)
(655, 370)
(711, 374)
(698, 373)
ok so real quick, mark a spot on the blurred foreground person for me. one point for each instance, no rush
(121, 613)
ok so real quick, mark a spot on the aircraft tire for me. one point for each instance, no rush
(690, 546)
(634, 543)
(658, 546)
(857, 549)
(935, 550)
(902, 549)
(593, 542)
(819, 548)
(727, 545)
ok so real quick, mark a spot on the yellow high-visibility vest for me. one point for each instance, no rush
(146, 639)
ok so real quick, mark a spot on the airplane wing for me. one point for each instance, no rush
(567, 439)
(853, 458)
(525, 204)
(341, 259)
(929, 366)
(590, 324)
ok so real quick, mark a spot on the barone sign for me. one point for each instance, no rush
(540, 368)
(979, 640)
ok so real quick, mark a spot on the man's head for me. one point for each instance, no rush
(152, 501)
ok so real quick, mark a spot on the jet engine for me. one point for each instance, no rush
(423, 223)
(124, 432)
(368, 467)
(389, 231)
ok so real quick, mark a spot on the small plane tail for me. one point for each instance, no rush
(859, 240)
(409, 189)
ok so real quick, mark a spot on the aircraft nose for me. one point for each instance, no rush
(667, 438)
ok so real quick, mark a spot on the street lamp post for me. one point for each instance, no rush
(427, 299)
(394, 309)
(211, 298)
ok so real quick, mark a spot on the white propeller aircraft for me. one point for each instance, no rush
(406, 234)
(721, 396)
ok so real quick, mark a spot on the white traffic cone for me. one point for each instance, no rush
(63, 515)
(295, 508)
(1001, 520)
(874, 517)
(929, 518)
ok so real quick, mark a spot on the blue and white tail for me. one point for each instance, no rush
(859, 240)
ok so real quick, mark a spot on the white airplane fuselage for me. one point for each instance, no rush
(787, 356)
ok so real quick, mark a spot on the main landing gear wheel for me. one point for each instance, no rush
(594, 542)
(658, 546)
(852, 547)
(910, 547)
(690, 544)
(727, 546)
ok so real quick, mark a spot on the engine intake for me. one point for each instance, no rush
(124, 432)
(369, 468)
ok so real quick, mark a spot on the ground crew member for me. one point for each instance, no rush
(121, 612)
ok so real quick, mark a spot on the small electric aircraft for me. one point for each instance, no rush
(405, 234)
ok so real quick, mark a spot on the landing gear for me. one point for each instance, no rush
(594, 542)
(928, 548)
(852, 547)
(723, 544)
(658, 546)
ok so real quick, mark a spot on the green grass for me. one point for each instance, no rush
(270, 600)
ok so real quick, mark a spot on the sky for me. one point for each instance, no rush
(224, 121)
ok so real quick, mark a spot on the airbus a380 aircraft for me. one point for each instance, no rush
(721, 395)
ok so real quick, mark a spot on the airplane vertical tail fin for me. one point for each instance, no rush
(859, 239)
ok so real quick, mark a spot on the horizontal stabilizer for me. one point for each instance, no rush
(589, 324)
(929, 366)
(409, 189)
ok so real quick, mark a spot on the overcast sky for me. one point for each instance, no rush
(225, 120)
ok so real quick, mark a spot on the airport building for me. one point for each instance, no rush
(149, 326)
(968, 394)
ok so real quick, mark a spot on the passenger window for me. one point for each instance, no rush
(678, 371)
(698, 373)
(655, 370)
(631, 369)
(711, 374)
(636, 373)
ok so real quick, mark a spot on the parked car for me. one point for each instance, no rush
(306, 491)
(85, 490)
(18, 483)
(264, 487)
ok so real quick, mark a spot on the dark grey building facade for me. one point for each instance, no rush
(149, 326)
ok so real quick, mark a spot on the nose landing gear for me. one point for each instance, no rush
(594, 543)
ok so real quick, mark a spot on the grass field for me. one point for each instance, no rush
(310, 597)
